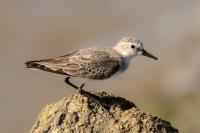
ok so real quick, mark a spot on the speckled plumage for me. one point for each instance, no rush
(92, 63)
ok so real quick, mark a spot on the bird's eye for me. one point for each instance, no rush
(132, 46)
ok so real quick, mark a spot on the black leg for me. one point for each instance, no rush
(69, 83)
(81, 87)
(93, 97)
(73, 85)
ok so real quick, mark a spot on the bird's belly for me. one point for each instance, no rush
(104, 75)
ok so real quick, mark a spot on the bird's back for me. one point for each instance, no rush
(92, 63)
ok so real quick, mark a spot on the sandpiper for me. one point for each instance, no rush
(93, 63)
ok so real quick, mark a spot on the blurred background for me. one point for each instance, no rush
(38, 29)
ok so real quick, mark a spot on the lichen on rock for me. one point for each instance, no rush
(77, 114)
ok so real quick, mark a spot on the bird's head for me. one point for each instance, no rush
(130, 47)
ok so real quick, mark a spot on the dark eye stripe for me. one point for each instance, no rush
(132, 46)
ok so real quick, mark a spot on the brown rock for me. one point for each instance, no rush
(77, 114)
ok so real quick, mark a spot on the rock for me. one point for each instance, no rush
(78, 114)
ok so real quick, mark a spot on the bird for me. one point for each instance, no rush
(93, 63)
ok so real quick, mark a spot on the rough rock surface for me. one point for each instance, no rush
(78, 114)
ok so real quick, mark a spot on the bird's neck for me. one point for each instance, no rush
(126, 57)
(124, 64)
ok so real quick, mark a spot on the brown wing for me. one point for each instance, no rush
(88, 63)
(52, 65)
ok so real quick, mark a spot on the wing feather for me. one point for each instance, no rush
(88, 63)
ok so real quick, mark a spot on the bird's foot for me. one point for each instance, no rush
(94, 98)
(81, 87)
(90, 96)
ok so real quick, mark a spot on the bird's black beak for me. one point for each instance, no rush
(145, 53)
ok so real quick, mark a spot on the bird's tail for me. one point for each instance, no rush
(33, 64)
(38, 65)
